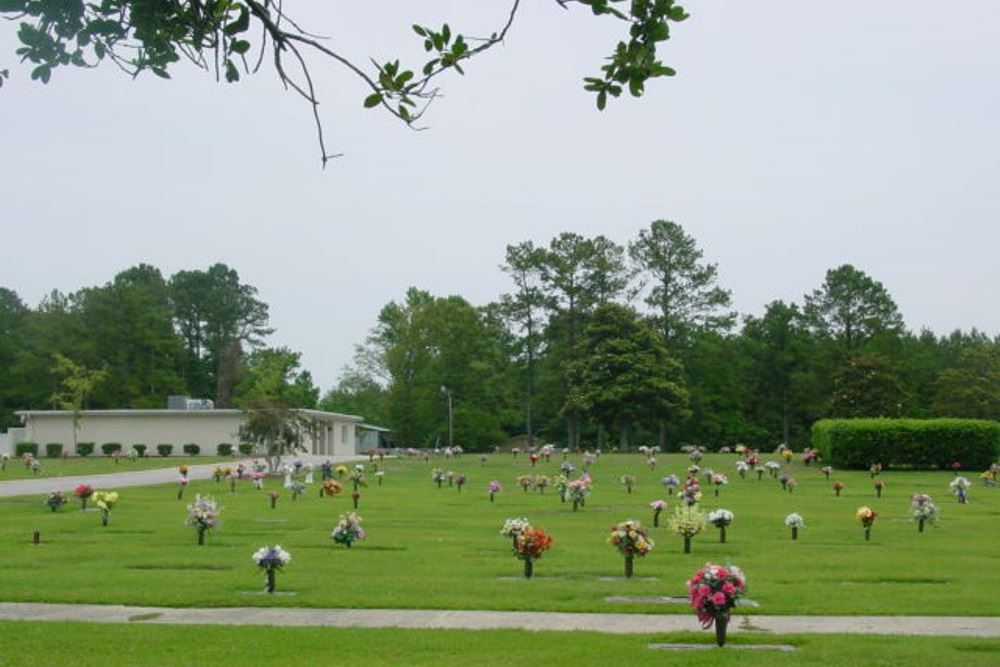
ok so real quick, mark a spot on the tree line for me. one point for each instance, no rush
(594, 343)
(140, 338)
(598, 343)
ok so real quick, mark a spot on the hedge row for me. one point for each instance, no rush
(920, 443)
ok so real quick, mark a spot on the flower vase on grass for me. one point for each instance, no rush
(875, 470)
(713, 591)
(83, 492)
(512, 528)
(879, 487)
(657, 506)
(960, 487)
(742, 468)
(273, 497)
(631, 539)
(529, 545)
(795, 521)
(542, 482)
(827, 471)
(460, 481)
(526, 482)
(867, 517)
(923, 510)
(838, 487)
(628, 481)
(790, 485)
(330, 488)
(671, 482)
(203, 516)
(438, 477)
(105, 501)
(720, 518)
(718, 481)
(687, 522)
(182, 483)
(494, 489)
(348, 530)
(578, 490)
(55, 500)
(379, 476)
(271, 559)
(297, 488)
(783, 480)
(358, 479)
(355, 498)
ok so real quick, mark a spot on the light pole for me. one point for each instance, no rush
(447, 392)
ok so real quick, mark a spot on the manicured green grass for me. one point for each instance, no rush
(86, 644)
(430, 548)
(99, 465)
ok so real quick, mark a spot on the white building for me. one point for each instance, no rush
(336, 433)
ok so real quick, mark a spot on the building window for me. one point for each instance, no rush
(343, 434)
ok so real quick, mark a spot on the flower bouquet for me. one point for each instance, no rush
(687, 522)
(183, 470)
(838, 487)
(561, 485)
(355, 499)
(742, 468)
(713, 591)
(691, 493)
(533, 458)
(567, 468)
(341, 470)
(257, 477)
(787, 454)
(923, 510)
(795, 521)
(460, 481)
(720, 518)
(348, 530)
(273, 497)
(105, 501)
(541, 482)
(867, 517)
(695, 455)
(783, 480)
(55, 500)
(875, 470)
(718, 481)
(83, 492)
(182, 483)
(330, 488)
(772, 468)
(526, 482)
(809, 455)
(960, 487)
(578, 490)
(271, 559)
(380, 475)
(628, 481)
(357, 478)
(529, 545)
(297, 488)
(827, 471)
(512, 528)
(879, 487)
(494, 489)
(657, 506)
(790, 484)
(438, 476)
(203, 515)
(631, 539)
(671, 482)
(515, 451)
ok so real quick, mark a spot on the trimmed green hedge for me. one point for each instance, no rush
(921, 443)
(53, 450)
(224, 449)
(245, 448)
(22, 448)
(140, 449)
(163, 449)
(84, 448)
(110, 448)
(191, 449)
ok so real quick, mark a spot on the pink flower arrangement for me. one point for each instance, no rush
(714, 590)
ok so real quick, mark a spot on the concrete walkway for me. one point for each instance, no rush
(167, 475)
(975, 626)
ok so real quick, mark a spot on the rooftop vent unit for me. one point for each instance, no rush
(188, 403)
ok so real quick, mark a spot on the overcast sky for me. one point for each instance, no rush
(798, 135)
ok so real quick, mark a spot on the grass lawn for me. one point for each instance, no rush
(99, 465)
(86, 644)
(431, 548)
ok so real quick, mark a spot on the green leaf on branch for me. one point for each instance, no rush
(373, 100)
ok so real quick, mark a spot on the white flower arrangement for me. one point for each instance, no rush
(514, 527)
(271, 557)
(720, 517)
(795, 520)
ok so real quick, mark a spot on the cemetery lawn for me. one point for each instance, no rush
(441, 549)
(101, 465)
(101, 645)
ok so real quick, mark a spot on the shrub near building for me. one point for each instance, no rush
(920, 443)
